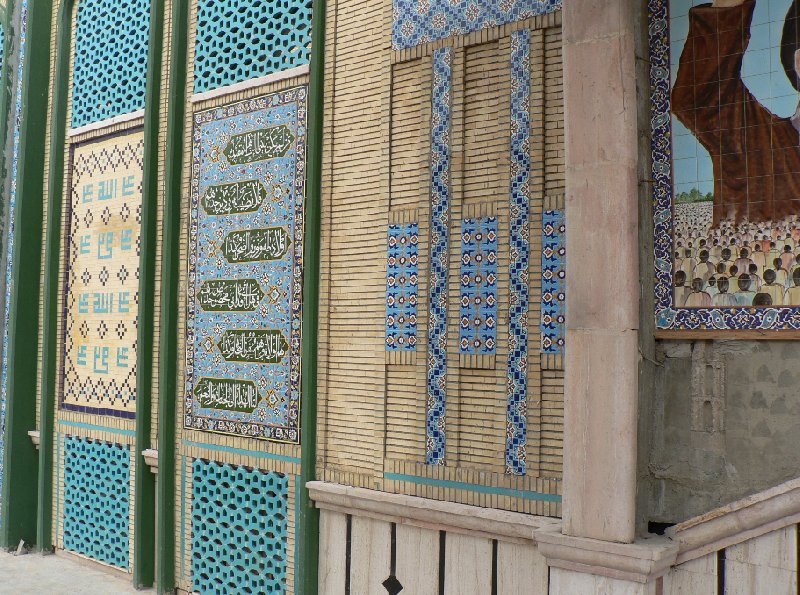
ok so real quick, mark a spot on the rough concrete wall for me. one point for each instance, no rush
(726, 423)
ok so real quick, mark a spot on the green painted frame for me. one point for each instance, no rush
(307, 566)
(144, 525)
(170, 275)
(21, 463)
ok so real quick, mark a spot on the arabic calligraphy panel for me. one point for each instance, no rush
(103, 276)
(244, 304)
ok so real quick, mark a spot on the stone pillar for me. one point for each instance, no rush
(602, 358)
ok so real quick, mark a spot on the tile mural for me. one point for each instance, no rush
(102, 292)
(246, 268)
(727, 214)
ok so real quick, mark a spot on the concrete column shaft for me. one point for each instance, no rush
(603, 289)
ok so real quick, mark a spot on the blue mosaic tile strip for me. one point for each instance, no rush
(519, 295)
(478, 303)
(12, 207)
(97, 479)
(402, 287)
(554, 263)
(423, 21)
(3, 393)
(110, 64)
(239, 529)
(238, 40)
(440, 221)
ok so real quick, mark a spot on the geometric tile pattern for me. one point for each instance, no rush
(110, 69)
(239, 529)
(440, 221)
(97, 500)
(423, 21)
(245, 290)
(102, 295)
(238, 40)
(402, 286)
(478, 301)
(554, 263)
(516, 418)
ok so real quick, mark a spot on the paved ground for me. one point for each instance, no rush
(34, 574)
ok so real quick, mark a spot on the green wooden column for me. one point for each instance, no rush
(168, 348)
(20, 484)
(144, 543)
(52, 248)
(308, 521)
(145, 482)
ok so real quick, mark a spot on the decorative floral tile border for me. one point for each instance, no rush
(423, 21)
(440, 222)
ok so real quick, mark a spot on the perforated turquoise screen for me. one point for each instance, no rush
(239, 529)
(110, 61)
(97, 479)
(238, 40)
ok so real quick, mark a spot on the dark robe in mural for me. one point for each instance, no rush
(755, 154)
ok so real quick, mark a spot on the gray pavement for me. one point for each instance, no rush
(35, 574)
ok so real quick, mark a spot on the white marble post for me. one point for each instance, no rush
(603, 289)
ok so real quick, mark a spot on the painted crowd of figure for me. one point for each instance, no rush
(735, 265)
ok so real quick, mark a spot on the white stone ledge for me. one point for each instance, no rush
(429, 514)
(151, 459)
(138, 114)
(251, 84)
(738, 522)
(639, 562)
(35, 437)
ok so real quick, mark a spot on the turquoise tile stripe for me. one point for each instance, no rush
(95, 427)
(246, 453)
(460, 485)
